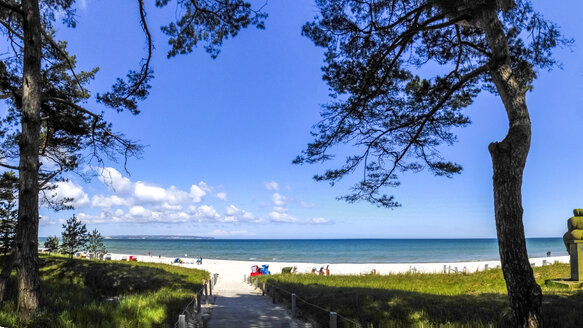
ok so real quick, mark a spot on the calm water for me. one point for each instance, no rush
(333, 250)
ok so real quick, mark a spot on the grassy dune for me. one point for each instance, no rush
(425, 300)
(83, 293)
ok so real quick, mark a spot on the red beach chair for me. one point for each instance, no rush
(255, 271)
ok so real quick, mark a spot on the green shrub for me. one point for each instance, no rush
(83, 293)
(422, 300)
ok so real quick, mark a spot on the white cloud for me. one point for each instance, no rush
(205, 186)
(271, 185)
(139, 211)
(143, 202)
(115, 181)
(282, 217)
(69, 190)
(278, 199)
(205, 213)
(168, 207)
(319, 221)
(235, 214)
(197, 193)
(157, 195)
(222, 196)
(109, 201)
(280, 209)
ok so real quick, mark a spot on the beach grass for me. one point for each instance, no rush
(423, 300)
(88, 293)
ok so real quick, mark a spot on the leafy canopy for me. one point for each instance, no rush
(95, 244)
(400, 73)
(52, 244)
(74, 236)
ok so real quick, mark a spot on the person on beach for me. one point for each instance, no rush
(327, 270)
(149, 254)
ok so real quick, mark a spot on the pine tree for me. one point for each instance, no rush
(400, 75)
(95, 245)
(52, 244)
(74, 236)
(46, 117)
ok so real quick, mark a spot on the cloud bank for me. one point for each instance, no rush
(143, 202)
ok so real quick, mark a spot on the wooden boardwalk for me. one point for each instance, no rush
(238, 304)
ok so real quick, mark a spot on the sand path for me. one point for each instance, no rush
(238, 304)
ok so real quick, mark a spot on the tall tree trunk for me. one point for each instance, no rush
(5, 274)
(508, 161)
(26, 243)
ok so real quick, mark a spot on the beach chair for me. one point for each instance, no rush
(255, 271)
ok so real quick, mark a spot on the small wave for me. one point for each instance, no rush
(253, 258)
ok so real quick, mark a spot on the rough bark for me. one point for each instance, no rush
(5, 275)
(26, 241)
(508, 162)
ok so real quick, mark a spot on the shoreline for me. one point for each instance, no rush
(237, 269)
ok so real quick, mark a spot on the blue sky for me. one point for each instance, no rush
(221, 135)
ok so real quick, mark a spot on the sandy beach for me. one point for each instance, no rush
(231, 270)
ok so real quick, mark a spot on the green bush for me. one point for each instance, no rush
(578, 212)
(422, 300)
(83, 293)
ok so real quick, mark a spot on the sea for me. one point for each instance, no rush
(330, 250)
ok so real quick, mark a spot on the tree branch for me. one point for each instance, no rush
(146, 66)
(48, 179)
(434, 109)
(72, 104)
(10, 29)
(95, 117)
(8, 166)
(64, 55)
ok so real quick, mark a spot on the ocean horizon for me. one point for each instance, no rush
(329, 250)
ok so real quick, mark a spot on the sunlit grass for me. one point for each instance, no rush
(84, 293)
(428, 300)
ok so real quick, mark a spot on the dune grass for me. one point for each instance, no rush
(87, 293)
(424, 300)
